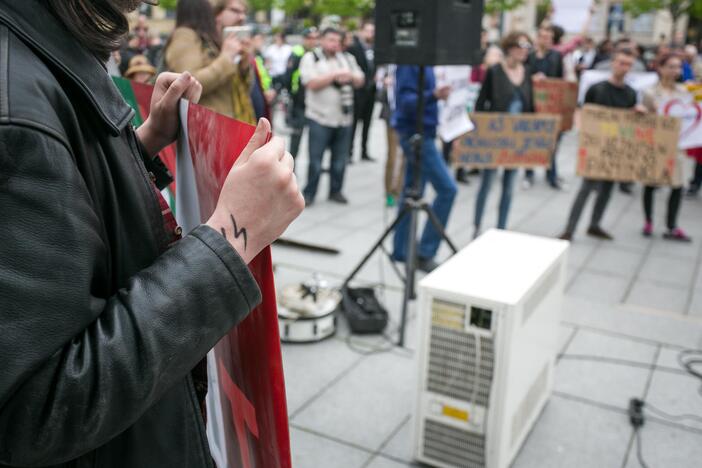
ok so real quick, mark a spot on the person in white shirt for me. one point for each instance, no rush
(329, 76)
(276, 56)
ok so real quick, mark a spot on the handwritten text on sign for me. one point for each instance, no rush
(557, 97)
(504, 140)
(617, 144)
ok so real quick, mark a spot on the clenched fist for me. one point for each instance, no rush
(260, 197)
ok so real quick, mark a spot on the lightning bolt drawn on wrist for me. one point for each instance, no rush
(237, 232)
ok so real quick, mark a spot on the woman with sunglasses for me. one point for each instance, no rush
(667, 89)
(507, 88)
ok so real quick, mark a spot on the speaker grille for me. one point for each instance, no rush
(452, 357)
(455, 447)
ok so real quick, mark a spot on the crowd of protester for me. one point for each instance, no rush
(326, 81)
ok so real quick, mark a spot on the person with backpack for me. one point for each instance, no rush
(330, 76)
(295, 117)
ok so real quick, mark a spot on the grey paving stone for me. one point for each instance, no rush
(695, 309)
(589, 343)
(579, 253)
(601, 382)
(668, 270)
(571, 274)
(660, 328)
(383, 462)
(400, 446)
(668, 358)
(682, 250)
(658, 297)
(575, 435)
(676, 394)
(598, 287)
(311, 367)
(615, 261)
(664, 446)
(627, 234)
(367, 405)
(313, 451)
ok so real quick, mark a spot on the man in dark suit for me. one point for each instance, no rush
(364, 98)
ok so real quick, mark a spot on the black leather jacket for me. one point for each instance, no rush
(100, 322)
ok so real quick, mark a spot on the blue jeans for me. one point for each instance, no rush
(338, 139)
(436, 172)
(487, 176)
(552, 170)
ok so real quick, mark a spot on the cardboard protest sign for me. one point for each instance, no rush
(689, 111)
(247, 421)
(623, 145)
(453, 113)
(559, 97)
(637, 80)
(505, 140)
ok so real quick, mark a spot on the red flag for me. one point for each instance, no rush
(247, 410)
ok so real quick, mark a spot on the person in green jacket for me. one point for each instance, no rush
(295, 118)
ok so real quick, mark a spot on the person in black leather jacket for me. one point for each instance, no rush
(101, 321)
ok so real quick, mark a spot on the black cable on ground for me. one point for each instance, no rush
(639, 449)
(672, 417)
(691, 361)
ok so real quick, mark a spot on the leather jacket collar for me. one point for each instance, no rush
(31, 21)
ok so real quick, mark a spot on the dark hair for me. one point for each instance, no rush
(331, 30)
(665, 58)
(622, 40)
(558, 33)
(198, 16)
(624, 51)
(99, 25)
(512, 40)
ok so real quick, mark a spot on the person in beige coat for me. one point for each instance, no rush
(669, 69)
(219, 64)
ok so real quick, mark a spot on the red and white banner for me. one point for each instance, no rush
(247, 421)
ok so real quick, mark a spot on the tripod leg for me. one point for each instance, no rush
(438, 226)
(410, 265)
(377, 245)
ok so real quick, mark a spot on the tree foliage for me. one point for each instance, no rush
(496, 6)
(343, 8)
(677, 8)
(168, 4)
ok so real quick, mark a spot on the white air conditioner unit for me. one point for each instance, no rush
(488, 343)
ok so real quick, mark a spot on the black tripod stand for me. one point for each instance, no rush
(413, 204)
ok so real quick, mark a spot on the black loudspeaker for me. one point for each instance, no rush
(428, 32)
